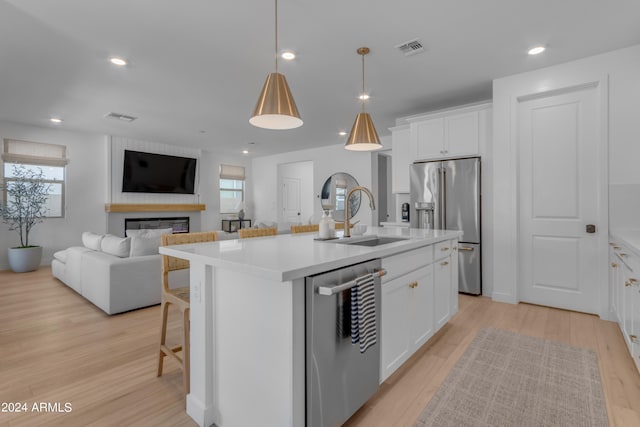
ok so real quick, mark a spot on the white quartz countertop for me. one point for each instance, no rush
(395, 224)
(291, 256)
(629, 238)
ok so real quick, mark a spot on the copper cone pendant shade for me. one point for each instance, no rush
(276, 108)
(363, 135)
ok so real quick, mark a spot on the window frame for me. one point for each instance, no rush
(232, 173)
(9, 158)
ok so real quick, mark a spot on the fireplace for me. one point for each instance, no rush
(177, 224)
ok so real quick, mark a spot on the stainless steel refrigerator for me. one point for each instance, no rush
(446, 195)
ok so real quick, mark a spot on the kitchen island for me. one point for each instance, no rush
(248, 319)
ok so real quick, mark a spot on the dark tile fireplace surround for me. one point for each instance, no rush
(178, 224)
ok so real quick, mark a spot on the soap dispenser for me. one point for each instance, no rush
(332, 225)
(323, 226)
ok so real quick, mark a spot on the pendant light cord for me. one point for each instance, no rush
(276, 44)
(362, 94)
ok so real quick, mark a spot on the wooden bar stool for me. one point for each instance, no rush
(306, 228)
(178, 297)
(257, 232)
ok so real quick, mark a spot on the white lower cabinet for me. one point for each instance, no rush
(442, 272)
(415, 305)
(407, 317)
(624, 276)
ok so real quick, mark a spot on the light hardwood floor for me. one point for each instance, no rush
(57, 347)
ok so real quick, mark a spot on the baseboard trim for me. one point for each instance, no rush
(502, 297)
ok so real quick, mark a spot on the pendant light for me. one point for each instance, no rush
(276, 108)
(363, 135)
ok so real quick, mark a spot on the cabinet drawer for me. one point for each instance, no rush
(442, 249)
(406, 262)
(630, 260)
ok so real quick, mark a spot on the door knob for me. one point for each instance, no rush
(591, 228)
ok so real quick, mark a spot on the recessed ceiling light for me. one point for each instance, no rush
(536, 50)
(364, 97)
(245, 151)
(120, 62)
(342, 133)
(288, 55)
(55, 120)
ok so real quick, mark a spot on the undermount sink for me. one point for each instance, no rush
(370, 240)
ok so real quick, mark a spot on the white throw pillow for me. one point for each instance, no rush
(149, 232)
(92, 240)
(144, 246)
(117, 246)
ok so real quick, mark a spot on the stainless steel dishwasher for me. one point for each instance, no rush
(339, 377)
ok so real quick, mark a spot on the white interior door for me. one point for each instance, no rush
(559, 139)
(291, 200)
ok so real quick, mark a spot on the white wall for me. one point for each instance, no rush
(327, 160)
(621, 69)
(85, 189)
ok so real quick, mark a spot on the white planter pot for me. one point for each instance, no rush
(22, 260)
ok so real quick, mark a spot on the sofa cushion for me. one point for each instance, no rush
(141, 246)
(61, 256)
(117, 246)
(146, 241)
(92, 240)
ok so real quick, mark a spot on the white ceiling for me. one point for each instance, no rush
(199, 65)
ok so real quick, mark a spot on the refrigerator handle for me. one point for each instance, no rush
(443, 193)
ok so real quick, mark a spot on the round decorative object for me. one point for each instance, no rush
(241, 214)
(335, 191)
(26, 259)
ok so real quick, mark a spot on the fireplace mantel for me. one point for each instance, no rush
(153, 207)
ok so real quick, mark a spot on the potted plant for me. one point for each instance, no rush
(23, 208)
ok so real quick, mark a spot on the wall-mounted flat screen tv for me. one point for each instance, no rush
(158, 173)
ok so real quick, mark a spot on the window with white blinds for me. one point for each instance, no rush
(51, 159)
(231, 188)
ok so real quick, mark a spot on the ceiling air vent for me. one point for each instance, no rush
(119, 116)
(411, 47)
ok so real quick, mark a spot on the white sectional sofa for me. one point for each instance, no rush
(112, 275)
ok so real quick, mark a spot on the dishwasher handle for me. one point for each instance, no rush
(332, 290)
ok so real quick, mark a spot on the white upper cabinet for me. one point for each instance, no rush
(451, 133)
(427, 139)
(462, 134)
(400, 159)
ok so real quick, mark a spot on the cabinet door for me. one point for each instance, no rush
(394, 332)
(454, 277)
(635, 345)
(427, 139)
(613, 284)
(628, 298)
(461, 134)
(421, 306)
(442, 291)
(400, 160)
